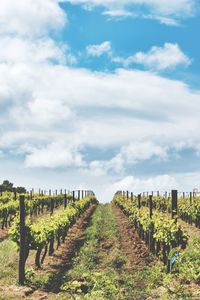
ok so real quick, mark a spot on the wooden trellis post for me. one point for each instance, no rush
(174, 204)
(127, 195)
(131, 196)
(190, 198)
(150, 206)
(65, 200)
(22, 248)
(151, 231)
(139, 201)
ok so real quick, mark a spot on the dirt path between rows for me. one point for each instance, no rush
(133, 248)
(108, 265)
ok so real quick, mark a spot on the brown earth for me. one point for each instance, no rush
(134, 249)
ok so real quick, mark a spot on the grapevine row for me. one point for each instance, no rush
(43, 234)
(35, 204)
(188, 207)
(160, 232)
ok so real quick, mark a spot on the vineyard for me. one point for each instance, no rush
(67, 245)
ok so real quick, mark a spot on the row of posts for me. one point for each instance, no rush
(174, 197)
(56, 193)
(149, 237)
(80, 193)
(22, 212)
(147, 194)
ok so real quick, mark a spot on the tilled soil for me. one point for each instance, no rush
(133, 248)
(100, 269)
(61, 262)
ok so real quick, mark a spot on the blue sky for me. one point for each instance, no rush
(97, 94)
(127, 36)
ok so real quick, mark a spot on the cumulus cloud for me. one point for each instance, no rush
(98, 50)
(54, 155)
(140, 151)
(162, 58)
(99, 168)
(130, 154)
(30, 17)
(157, 58)
(45, 97)
(47, 112)
(18, 50)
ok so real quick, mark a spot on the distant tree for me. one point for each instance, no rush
(20, 190)
(7, 186)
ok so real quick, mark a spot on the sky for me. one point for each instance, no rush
(101, 95)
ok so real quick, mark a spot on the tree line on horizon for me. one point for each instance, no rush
(8, 186)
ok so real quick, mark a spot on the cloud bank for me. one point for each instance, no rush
(53, 114)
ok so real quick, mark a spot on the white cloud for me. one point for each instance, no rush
(140, 151)
(126, 62)
(46, 112)
(30, 17)
(157, 58)
(141, 184)
(166, 12)
(45, 104)
(100, 167)
(98, 50)
(130, 154)
(162, 183)
(183, 182)
(51, 113)
(164, 20)
(19, 50)
(119, 13)
(56, 154)
(161, 58)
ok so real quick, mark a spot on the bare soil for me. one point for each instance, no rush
(134, 249)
